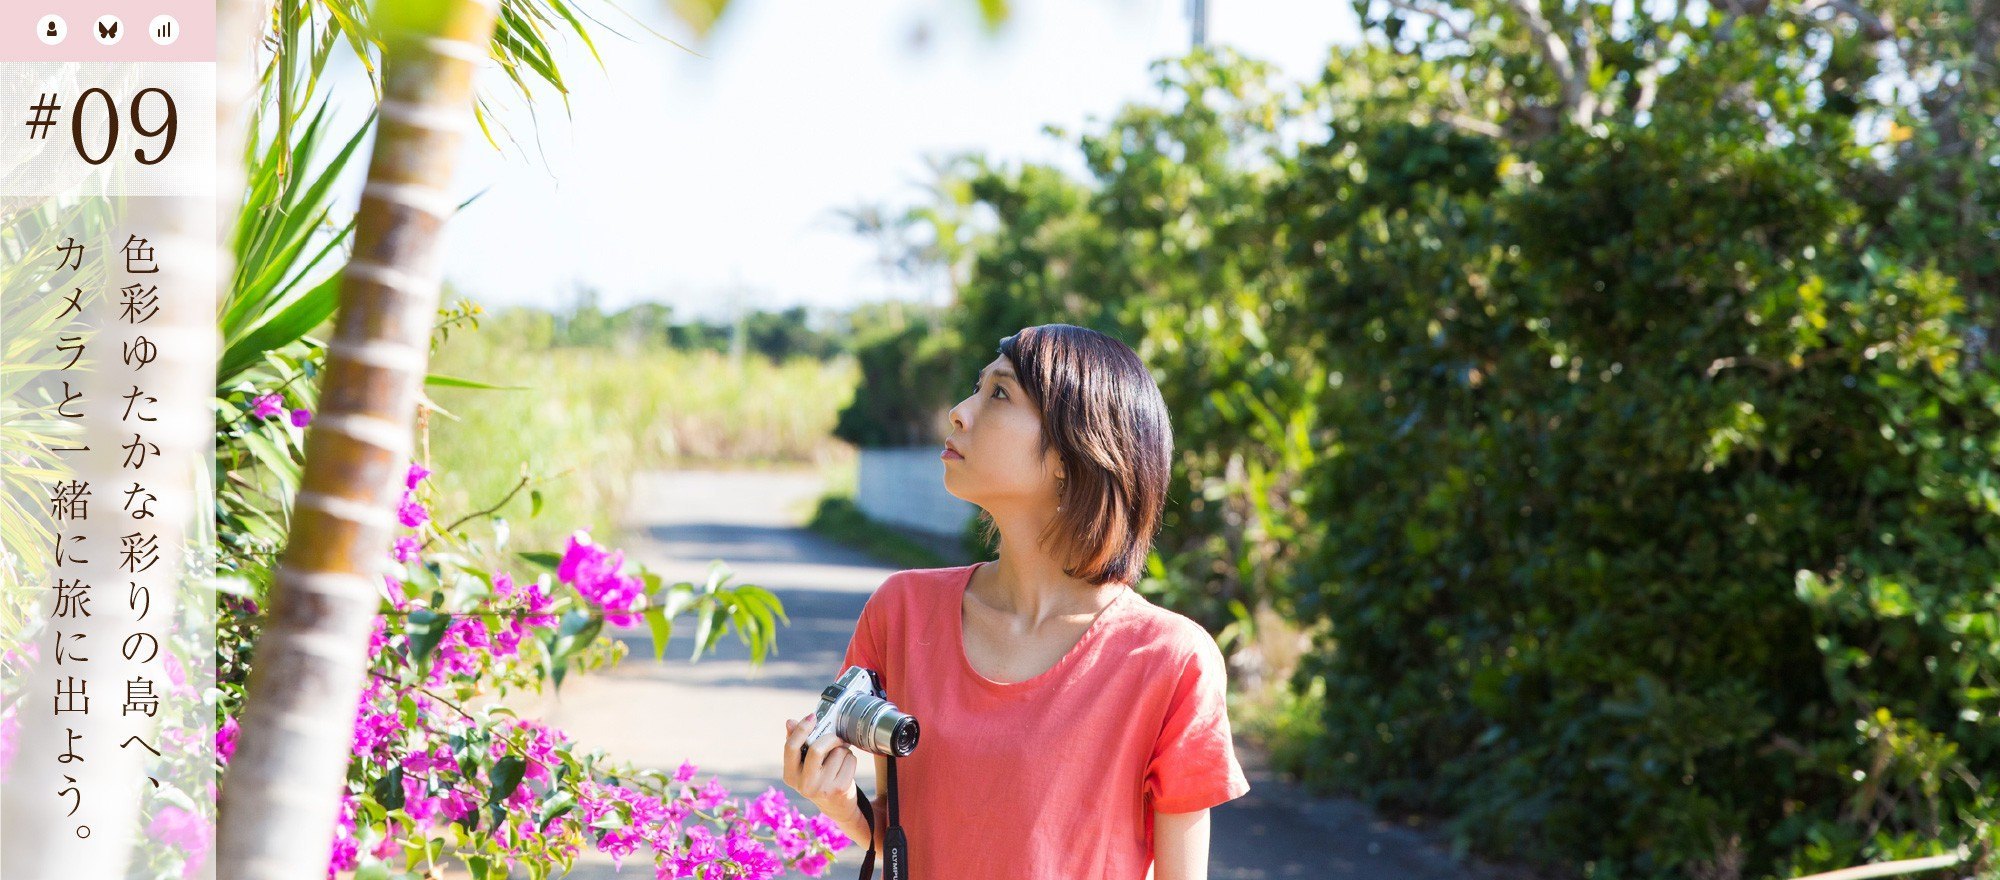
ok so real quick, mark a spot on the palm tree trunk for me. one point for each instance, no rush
(282, 793)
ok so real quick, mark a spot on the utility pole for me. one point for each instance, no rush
(736, 341)
(1198, 20)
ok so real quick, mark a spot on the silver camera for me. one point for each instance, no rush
(851, 709)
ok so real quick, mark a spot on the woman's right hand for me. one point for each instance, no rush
(825, 775)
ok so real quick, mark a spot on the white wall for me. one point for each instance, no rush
(904, 485)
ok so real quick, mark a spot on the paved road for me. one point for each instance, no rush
(728, 717)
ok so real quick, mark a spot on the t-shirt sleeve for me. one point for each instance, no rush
(1194, 764)
(864, 648)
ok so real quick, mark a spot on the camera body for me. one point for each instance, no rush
(851, 709)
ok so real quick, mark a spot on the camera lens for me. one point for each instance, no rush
(904, 739)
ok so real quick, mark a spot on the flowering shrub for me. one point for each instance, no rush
(435, 777)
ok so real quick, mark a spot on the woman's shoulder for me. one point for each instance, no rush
(1175, 633)
(919, 584)
(921, 578)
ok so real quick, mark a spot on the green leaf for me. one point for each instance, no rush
(544, 559)
(444, 381)
(718, 571)
(561, 802)
(764, 599)
(506, 776)
(425, 628)
(679, 597)
(575, 633)
(662, 628)
(702, 629)
(388, 788)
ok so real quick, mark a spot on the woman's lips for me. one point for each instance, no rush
(949, 455)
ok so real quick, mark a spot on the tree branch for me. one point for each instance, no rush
(1873, 26)
(1434, 15)
(479, 513)
(1578, 100)
(1470, 124)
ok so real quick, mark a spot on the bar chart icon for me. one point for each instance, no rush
(165, 30)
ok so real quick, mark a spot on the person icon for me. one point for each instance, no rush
(51, 29)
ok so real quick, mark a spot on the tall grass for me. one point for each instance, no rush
(591, 419)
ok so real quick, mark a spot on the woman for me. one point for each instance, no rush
(1071, 728)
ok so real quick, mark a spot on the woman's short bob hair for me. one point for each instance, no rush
(1103, 414)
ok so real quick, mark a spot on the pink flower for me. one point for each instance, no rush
(618, 596)
(411, 513)
(829, 832)
(669, 866)
(225, 739)
(420, 770)
(392, 590)
(374, 726)
(594, 572)
(813, 865)
(459, 652)
(685, 773)
(593, 801)
(10, 731)
(539, 747)
(378, 638)
(265, 406)
(584, 562)
(417, 472)
(301, 417)
(387, 845)
(345, 848)
(458, 805)
(405, 548)
(701, 850)
(770, 810)
(527, 598)
(184, 831)
(793, 842)
(756, 861)
(712, 795)
(176, 675)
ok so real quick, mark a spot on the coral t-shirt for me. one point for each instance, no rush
(1057, 776)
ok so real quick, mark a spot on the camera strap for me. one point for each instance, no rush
(895, 850)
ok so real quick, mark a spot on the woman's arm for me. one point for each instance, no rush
(858, 827)
(1180, 846)
(824, 773)
(855, 825)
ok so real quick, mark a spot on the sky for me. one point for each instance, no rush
(707, 177)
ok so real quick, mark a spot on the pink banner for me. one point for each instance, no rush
(107, 30)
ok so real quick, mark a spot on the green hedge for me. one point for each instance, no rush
(1666, 515)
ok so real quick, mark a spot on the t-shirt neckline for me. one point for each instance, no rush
(965, 663)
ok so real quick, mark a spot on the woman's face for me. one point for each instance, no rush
(998, 432)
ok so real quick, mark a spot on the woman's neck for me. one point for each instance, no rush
(1036, 590)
